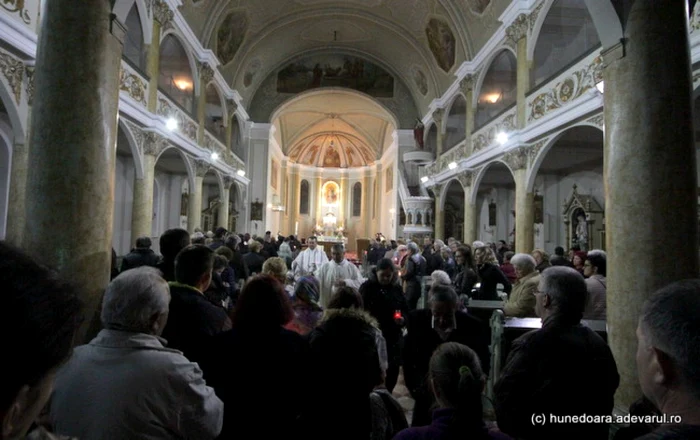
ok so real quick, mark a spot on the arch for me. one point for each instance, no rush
(135, 49)
(16, 122)
(476, 183)
(537, 163)
(561, 46)
(219, 179)
(453, 203)
(122, 8)
(183, 156)
(215, 119)
(455, 122)
(304, 198)
(5, 174)
(443, 191)
(502, 91)
(357, 199)
(174, 33)
(431, 138)
(486, 66)
(133, 147)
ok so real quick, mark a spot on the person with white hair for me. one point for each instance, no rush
(521, 302)
(125, 382)
(440, 277)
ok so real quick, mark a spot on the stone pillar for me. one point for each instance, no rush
(162, 17)
(231, 108)
(293, 199)
(517, 34)
(439, 226)
(650, 172)
(206, 75)
(70, 191)
(142, 205)
(367, 203)
(524, 214)
(223, 208)
(438, 116)
(194, 214)
(320, 211)
(467, 87)
(343, 207)
(16, 214)
(469, 209)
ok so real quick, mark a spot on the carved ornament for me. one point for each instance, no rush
(29, 70)
(200, 167)
(465, 179)
(231, 107)
(154, 144)
(536, 148)
(516, 158)
(487, 137)
(518, 29)
(162, 14)
(18, 7)
(206, 72)
(598, 120)
(466, 85)
(228, 182)
(13, 71)
(438, 115)
(133, 85)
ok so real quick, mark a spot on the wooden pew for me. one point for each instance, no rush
(505, 330)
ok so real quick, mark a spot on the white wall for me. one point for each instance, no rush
(505, 222)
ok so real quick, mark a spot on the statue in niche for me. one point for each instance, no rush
(582, 231)
(418, 134)
(330, 193)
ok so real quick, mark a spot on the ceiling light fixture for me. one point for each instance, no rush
(215, 156)
(501, 138)
(452, 165)
(171, 124)
(183, 84)
(601, 87)
(424, 179)
(240, 173)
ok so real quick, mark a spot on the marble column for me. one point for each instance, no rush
(320, 211)
(194, 214)
(142, 205)
(162, 16)
(650, 172)
(367, 203)
(524, 214)
(439, 213)
(517, 34)
(293, 197)
(231, 108)
(470, 217)
(343, 206)
(467, 87)
(70, 191)
(223, 208)
(438, 116)
(16, 214)
(206, 75)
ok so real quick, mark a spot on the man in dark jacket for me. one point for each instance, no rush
(413, 275)
(559, 259)
(193, 318)
(171, 243)
(427, 329)
(384, 300)
(562, 369)
(141, 255)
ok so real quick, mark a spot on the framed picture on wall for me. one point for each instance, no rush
(256, 211)
(492, 213)
(184, 203)
(538, 208)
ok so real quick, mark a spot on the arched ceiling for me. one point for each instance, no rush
(333, 128)
(421, 42)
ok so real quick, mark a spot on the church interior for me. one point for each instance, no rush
(523, 124)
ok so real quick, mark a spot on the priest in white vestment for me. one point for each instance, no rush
(337, 273)
(309, 260)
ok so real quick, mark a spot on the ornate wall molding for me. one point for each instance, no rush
(18, 7)
(13, 71)
(517, 159)
(154, 144)
(487, 136)
(206, 73)
(29, 85)
(132, 83)
(138, 133)
(228, 182)
(438, 116)
(572, 86)
(466, 179)
(466, 85)
(200, 167)
(231, 107)
(518, 29)
(185, 125)
(162, 14)
(598, 120)
(535, 149)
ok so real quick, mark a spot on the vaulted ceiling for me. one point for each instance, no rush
(421, 43)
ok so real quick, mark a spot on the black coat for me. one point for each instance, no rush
(382, 302)
(139, 257)
(489, 276)
(563, 368)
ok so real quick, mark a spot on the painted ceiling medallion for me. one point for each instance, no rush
(230, 35)
(442, 43)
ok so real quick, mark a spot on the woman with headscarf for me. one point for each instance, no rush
(307, 311)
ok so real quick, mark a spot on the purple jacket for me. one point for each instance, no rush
(438, 429)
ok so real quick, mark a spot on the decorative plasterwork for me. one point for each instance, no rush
(517, 159)
(154, 144)
(535, 149)
(29, 85)
(573, 86)
(200, 167)
(487, 136)
(518, 29)
(13, 71)
(438, 116)
(206, 72)
(18, 7)
(132, 83)
(185, 124)
(162, 14)
(466, 179)
(466, 85)
(695, 19)
(231, 107)
(228, 182)
(598, 120)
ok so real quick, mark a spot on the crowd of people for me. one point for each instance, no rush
(233, 336)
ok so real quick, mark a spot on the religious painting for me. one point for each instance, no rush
(492, 213)
(256, 211)
(230, 36)
(332, 158)
(478, 6)
(350, 155)
(389, 179)
(310, 155)
(335, 71)
(539, 208)
(442, 43)
(330, 193)
(420, 80)
(274, 170)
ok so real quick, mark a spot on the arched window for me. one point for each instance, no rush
(567, 33)
(134, 48)
(498, 90)
(455, 132)
(304, 198)
(236, 146)
(357, 200)
(214, 121)
(431, 140)
(176, 79)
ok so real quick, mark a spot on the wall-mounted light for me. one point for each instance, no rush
(183, 84)
(601, 87)
(215, 156)
(241, 173)
(452, 165)
(424, 179)
(171, 124)
(501, 138)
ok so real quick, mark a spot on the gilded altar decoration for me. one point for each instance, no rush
(567, 90)
(18, 7)
(330, 192)
(13, 71)
(133, 85)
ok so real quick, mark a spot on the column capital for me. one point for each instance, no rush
(465, 179)
(206, 72)
(466, 85)
(231, 107)
(438, 115)
(518, 29)
(200, 167)
(162, 13)
(516, 158)
(437, 189)
(228, 182)
(153, 144)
